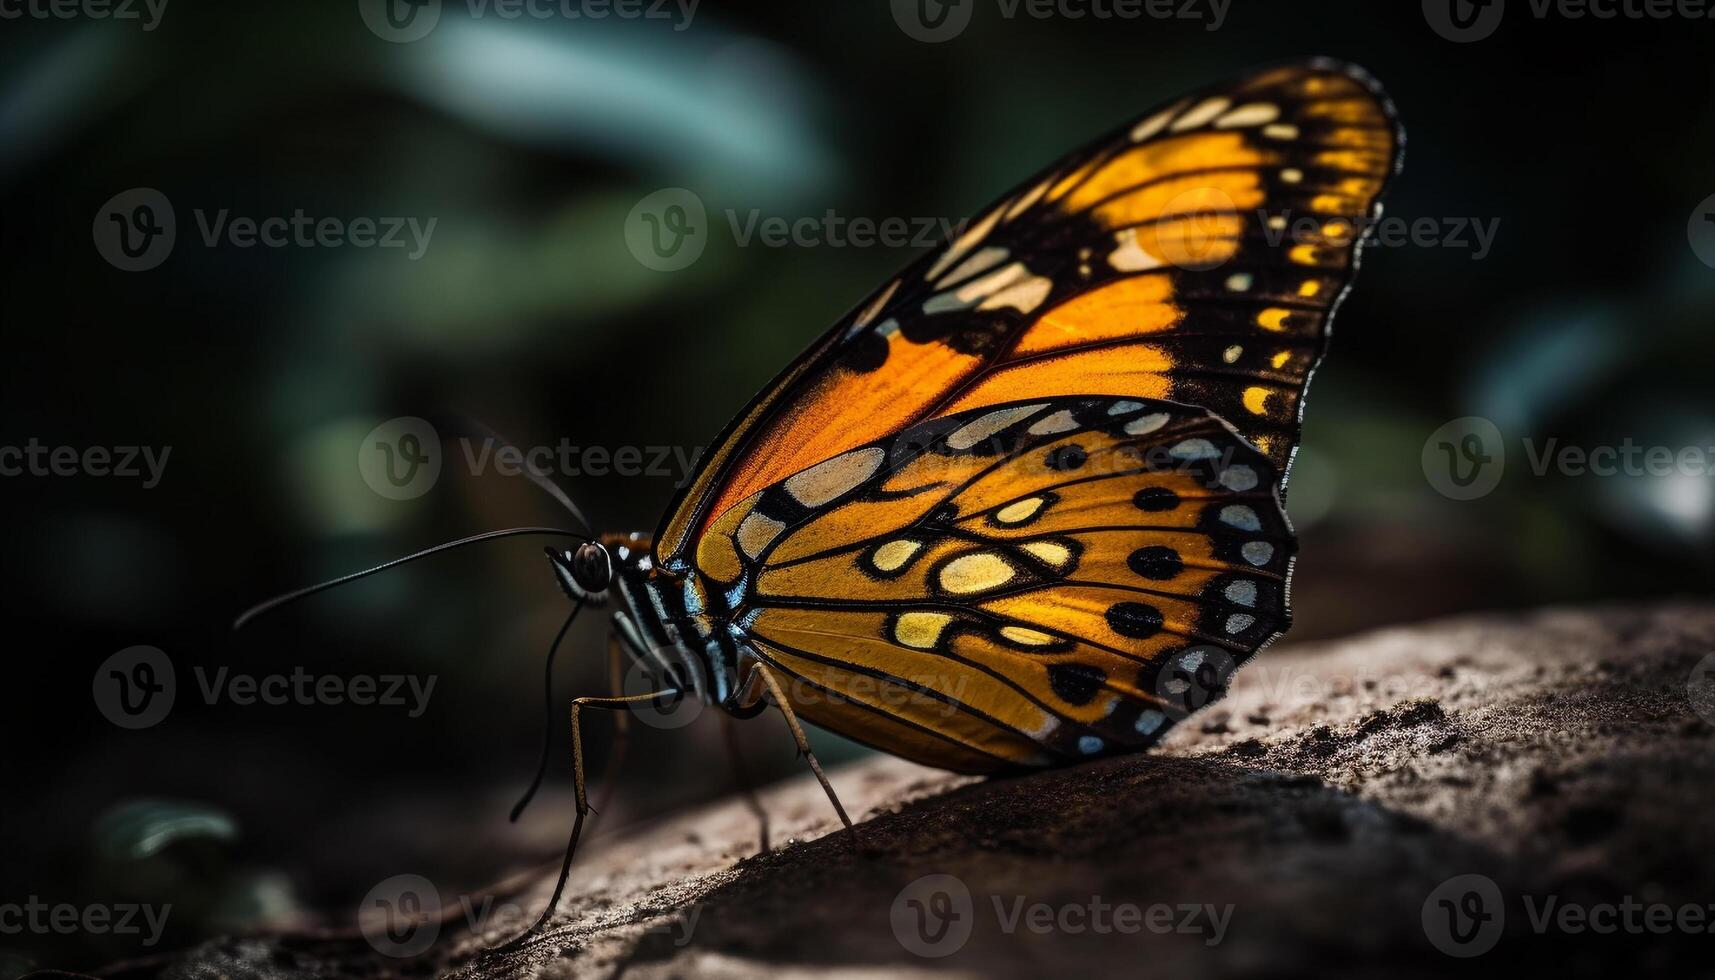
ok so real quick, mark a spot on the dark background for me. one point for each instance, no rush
(530, 141)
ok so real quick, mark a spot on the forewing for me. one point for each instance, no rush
(1195, 255)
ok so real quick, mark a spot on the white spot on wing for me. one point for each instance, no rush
(1146, 424)
(985, 258)
(964, 243)
(1241, 517)
(1239, 478)
(1154, 124)
(1242, 592)
(830, 478)
(1024, 297)
(1129, 256)
(1028, 198)
(981, 428)
(1061, 421)
(1254, 114)
(870, 311)
(1195, 449)
(755, 533)
(1201, 114)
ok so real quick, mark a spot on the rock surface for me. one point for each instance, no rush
(1307, 824)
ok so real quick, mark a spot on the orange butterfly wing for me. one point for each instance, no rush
(1014, 586)
(1195, 256)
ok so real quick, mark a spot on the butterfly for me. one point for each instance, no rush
(1023, 506)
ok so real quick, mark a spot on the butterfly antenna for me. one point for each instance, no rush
(547, 714)
(471, 427)
(294, 596)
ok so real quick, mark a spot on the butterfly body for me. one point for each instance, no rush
(674, 629)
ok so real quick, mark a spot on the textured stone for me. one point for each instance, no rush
(1557, 753)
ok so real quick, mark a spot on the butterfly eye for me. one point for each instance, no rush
(591, 567)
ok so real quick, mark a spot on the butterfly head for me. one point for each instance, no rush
(585, 572)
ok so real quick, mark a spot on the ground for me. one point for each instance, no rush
(1310, 823)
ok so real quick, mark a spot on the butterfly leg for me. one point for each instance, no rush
(621, 722)
(779, 695)
(741, 776)
(583, 806)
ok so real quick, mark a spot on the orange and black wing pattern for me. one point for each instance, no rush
(1016, 586)
(1195, 255)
